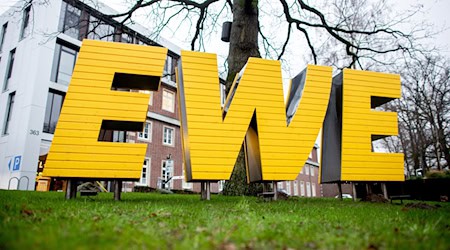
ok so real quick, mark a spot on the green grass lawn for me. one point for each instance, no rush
(34, 220)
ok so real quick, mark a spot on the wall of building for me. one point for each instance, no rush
(30, 81)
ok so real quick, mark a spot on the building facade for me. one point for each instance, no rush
(307, 182)
(39, 46)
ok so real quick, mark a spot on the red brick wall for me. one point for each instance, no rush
(156, 151)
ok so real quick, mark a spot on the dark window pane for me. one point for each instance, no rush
(2, 37)
(72, 22)
(56, 111)
(66, 65)
(26, 22)
(10, 66)
(48, 112)
(54, 104)
(99, 30)
(12, 55)
(9, 112)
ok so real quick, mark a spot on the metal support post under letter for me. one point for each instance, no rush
(71, 189)
(340, 190)
(208, 190)
(384, 188)
(117, 189)
(275, 190)
(354, 191)
(202, 191)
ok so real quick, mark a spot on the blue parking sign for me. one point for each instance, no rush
(17, 161)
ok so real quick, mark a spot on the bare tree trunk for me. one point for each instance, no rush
(243, 44)
(243, 37)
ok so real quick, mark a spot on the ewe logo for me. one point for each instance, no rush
(278, 136)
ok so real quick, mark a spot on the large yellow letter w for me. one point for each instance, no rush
(278, 136)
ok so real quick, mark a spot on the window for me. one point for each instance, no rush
(65, 58)
(26, 22)
(9, 110)
(112, 135)
(12, 55)
(166, 174)
(168, 136)
(312, 170)
(280, 185)
(308, 189)
(168, 102)
(313, 189)
(55, 101)
(302, 188)
(119, 136)
(146, 134)
(72, 18)
(169, 68)
(288, 187)
(145, 176)
(99, 30)
(306, 167)
(126, 38)
(2, 36)
(295, 188)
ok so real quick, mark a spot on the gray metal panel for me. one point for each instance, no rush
(332, 135)
(184, 129)
(295, 94)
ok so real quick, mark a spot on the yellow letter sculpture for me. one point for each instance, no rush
(278, 136)
(350, 127)
(92, 104)
(277, 145)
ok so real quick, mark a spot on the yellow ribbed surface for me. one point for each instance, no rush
(359, 122)
(214, 143)
(75, 150)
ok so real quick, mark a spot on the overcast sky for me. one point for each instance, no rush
(434, 12)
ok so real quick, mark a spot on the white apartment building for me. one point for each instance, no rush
(38, 49)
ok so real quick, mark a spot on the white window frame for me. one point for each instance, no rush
(288, 187)
(279, 185)
(306, 167)
(308, 189)
(147, 179)
(149, 132)
(172, 144)
(295, 188)
(172, 108)
(312, 170)
(302, 188)
(171, 173)
(314, 194)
